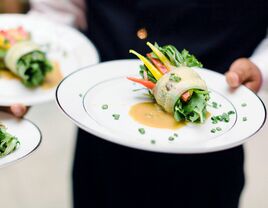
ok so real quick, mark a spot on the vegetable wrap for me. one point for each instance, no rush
(8, 38)
(170, 87)
(170, 80)
(28, 62)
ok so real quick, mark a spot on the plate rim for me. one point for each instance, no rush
(30, 152)
(199, 151)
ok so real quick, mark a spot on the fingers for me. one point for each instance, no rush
(243, 71)
(232, 79)
(17, 110)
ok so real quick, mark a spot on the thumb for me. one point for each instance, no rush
(245, 72)
(239, 73)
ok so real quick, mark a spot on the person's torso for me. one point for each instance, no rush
(217, 32)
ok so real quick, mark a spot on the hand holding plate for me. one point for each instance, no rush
(243, 71)
(18, 110)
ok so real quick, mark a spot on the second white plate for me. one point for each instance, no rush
(70, 48)
(27, 133)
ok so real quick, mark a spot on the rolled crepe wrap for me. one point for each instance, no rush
(28, 62)
(16, 52)
(167, 92)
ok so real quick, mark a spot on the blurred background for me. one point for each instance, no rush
(44, 179)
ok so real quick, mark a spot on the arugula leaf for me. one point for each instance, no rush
(8, 143)
(194, 110)
(177, 58)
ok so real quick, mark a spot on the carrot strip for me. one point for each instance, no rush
(145, 83)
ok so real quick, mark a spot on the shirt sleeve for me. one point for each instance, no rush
(260, 59)
(70, 12)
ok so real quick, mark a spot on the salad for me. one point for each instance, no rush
(23, 57)
(175, 86)
(8, 143)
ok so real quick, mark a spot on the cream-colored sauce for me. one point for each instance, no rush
(151, 114)
(52, 79)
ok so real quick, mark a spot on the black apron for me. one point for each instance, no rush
(107, 175)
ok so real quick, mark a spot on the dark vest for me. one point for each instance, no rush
(217, 32)
(107, 175)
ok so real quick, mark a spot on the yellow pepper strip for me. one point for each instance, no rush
(157, 75)
(160, 55)
(3, 43)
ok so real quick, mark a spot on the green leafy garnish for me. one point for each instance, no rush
(243, 104)
(32, 68)
(194, 110)
(177, 58)
(245, 119)
(8, 143)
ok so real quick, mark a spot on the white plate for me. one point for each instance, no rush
(67, 46)
(27, 133)
(82, 94)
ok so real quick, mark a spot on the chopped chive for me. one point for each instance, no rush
(136, 90)
(231, 112)
(214, 105)
(175, 135)
(116, 116)
(104, 107)
(170, 138)
(245, 119)
(218, 129)
(243, 104)
(80, 95)
(213, 130)
(223, 117)
(174, 77)
(152, 141)
(65, 54)
(141, 130)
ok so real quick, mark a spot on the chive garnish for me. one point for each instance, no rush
(175, 135)
(116, 116)
(170, 138)
(214, 105)
(223, 117)
(218, 128)
(104, 107)
(152, 141)
(213, 130)
(141, 130)
(245, 119)
(174, 77)
(243, 104)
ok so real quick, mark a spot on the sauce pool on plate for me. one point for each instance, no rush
(151, 114)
